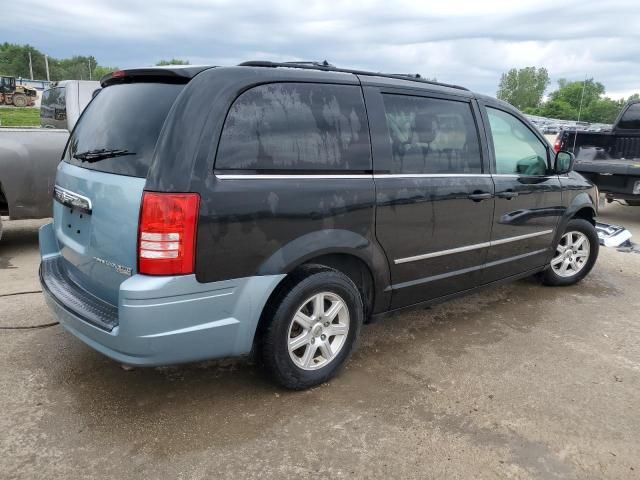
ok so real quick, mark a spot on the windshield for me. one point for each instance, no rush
(118, 131)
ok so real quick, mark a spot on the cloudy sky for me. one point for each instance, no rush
(465, 42)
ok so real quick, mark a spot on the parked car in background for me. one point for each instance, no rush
(610, 159)
(29, 156)
(298, 202)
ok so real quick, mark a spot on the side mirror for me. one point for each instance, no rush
(563, 162)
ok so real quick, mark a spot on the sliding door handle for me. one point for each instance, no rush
(508, 195)
(480, 196)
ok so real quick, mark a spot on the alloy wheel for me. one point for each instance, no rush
(572, 254)
(318, 331)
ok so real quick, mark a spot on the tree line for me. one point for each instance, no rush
(14, 62)
(524, 88)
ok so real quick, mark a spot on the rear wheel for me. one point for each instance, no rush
(575, 255)
(633, 203)
(313, 325)
(20, 100)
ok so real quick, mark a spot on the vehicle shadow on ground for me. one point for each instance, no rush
(18, 237)
(396, 359)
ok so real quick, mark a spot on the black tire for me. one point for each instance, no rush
(272, 347)
(19, 100)
(633, 203)
(551, 278)
(0, 228)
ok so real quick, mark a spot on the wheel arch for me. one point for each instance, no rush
(347, 252)
(354, 267)
(586, 213)
(582, 206)
(355, 255)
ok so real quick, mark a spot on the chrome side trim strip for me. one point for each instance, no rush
(442, 276)
(291, 177)
(294, 176)
(431, 175)
(441, 253)
(471, 247)
(520, 237)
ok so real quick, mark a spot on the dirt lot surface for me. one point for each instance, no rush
(521, 381)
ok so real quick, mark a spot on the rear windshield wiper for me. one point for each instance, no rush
(100, 154)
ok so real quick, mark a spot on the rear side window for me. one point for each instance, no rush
(631, 118)
(118, 131)
(53, 108)
(431, 135)
(296, 126)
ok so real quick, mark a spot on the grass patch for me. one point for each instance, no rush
(19, 117)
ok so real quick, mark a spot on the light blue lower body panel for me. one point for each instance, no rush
(169, 320)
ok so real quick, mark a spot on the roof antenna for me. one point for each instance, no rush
(575, 135)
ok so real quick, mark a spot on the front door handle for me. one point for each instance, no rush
(508, 195)
(479, 196)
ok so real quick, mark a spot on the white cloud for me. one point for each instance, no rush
(466, 42)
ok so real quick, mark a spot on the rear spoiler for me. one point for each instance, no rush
(172, 74)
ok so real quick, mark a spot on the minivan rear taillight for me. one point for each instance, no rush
(167, 233)
(557, 144)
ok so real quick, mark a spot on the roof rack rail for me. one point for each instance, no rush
(323, 63)
(327, 67)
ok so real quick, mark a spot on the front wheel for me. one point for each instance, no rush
(575, 254)
(313, 324)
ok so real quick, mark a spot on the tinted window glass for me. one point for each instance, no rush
(53, 108)
(430, 135)
(517, 149)
(296, 126)
(631, 118)
(126, 121)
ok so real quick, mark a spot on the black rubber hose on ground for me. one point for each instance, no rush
(28, 327)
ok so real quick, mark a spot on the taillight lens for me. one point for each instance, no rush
(167, 233)
(557, 144)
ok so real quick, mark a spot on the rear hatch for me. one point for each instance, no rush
(100, 182)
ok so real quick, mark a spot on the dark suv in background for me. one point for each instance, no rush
(204, 212)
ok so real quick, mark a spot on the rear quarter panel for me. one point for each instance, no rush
(28, 161)
(259, 227)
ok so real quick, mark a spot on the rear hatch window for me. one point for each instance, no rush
(53, 108)
(118, 131)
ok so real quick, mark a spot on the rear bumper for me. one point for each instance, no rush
(164, 320)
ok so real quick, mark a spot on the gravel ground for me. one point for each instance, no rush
(520, 381)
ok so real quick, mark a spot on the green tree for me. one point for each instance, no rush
(573, 93)
(173, 61)
(558, 108)
(582, 100)
(523, 88)
(14, 61)
(603, 110)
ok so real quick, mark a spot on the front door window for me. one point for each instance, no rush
(517, 150)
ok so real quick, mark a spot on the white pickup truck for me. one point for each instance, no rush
(29, 156)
